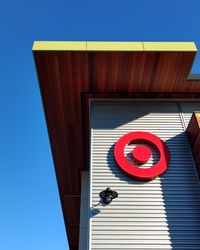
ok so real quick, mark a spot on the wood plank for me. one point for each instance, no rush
(193, 133)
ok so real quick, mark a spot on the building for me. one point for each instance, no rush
(94, 93)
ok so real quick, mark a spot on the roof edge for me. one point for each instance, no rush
(114, 46)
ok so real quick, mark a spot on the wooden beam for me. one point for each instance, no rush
(193, 133)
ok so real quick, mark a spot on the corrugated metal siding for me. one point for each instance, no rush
(160, 214)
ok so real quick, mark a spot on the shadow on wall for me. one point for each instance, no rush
(180, 189)
(181, 193)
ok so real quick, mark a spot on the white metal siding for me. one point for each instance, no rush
(160, 214)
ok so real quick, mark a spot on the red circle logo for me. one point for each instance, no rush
(141, 154)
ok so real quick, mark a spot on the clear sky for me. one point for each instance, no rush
(30, 212)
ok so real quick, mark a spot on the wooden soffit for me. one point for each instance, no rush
(70, 72)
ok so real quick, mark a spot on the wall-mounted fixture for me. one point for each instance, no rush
(108, 195)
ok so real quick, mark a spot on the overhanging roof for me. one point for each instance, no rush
(71, 72)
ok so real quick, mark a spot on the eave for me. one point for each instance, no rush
(70, 73)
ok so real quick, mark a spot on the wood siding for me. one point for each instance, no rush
(193, 132)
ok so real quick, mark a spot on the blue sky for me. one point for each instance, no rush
(30, 212)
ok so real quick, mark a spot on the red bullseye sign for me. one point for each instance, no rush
(141, 154)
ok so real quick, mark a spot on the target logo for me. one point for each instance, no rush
(141, 154)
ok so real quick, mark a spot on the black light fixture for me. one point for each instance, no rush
(108, 195)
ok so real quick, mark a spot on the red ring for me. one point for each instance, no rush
(133, 170)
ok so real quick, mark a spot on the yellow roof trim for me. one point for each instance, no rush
(169, 46)
(115, 46)
(59, 46)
